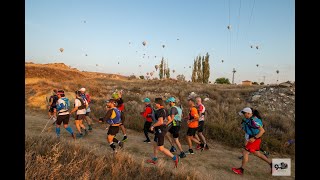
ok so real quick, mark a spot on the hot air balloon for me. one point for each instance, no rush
(129, 42)
(139, 65)
(277, 71)
(86, 54)
(222, 60)
(156, 66)
(61, 49)
(144, 43)
(189, 66)
(96, 64)
(151, 74)
(155, 56)
(163, 46)
(148, 57)
(229, 27)
(173, 71)
(257, 47)
(251, 46)
(177, 39)
(118, 62)
(147, 74)
(257, 65)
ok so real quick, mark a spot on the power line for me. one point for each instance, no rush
(238, 20)
(252, 11)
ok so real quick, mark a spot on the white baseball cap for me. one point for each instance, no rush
(247, 110)
(82, 89)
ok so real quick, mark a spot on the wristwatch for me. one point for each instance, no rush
(255, 137)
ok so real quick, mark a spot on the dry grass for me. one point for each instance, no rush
(48, 158)
(222, 121)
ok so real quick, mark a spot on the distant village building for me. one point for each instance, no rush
(247, 83)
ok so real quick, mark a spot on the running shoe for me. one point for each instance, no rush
(206, 147)
(198, 147)
(190, 151)
(73, 136)
(238, 170)
(173, 149)
(147, 141)
(125, 138)
(121, 145)
(151, 161)
(182, 155)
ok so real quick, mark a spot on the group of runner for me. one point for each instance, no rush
(158, 121)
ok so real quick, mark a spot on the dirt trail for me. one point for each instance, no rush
(215, 163)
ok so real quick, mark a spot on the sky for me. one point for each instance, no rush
(107, 35)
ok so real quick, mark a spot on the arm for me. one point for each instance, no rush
(170, 119)
(76, 105)
(108, 115)
(146, 112)
(261, 132)
(159, 123)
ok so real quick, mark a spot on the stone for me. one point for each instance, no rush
(285, 84)
(262, 90)
(281, 94)
(256, 97)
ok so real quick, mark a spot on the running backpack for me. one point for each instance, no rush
(250, 126)
(83, 104)
(117, 119)
(67, 103)
(177, 117)
(153, 115)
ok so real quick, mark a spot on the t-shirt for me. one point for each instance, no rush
(161, 113)
(120, 104)
(61, 104)
(193, 115)
(201, 110)
(77, 103)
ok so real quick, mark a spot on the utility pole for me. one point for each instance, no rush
(264, 78)
(234, 71)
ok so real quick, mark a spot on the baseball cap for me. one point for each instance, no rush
(146, 100)
(115, 95)
(82, 89)
(170, 99)
(246, 110)
(60, 92)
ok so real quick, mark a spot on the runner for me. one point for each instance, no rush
(147, 115)
(256, 114)
(201, 110)
(87, 119)
(160, 131)
(53, 105)
(63, 114)
(113, 118)
(254, 128)
(174, 123)
(120, 105)
(193, 123)
(80, 106)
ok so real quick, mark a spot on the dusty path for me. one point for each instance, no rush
(215, 163)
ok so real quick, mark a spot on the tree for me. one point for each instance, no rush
(222, 80)
(199, 70)
(168, 73)
(161, 69)
(206, 69)
(262, 83)
(181, 77)
(255, 83)
(141, 77)
(194, 71)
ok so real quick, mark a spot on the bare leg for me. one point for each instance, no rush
(195, 140)
(155, 150)
(176, 140)
(203, 139)
(245, 158)
(165, 151)
(189, 141)
(197, 137)
(169, 139)
(81, 124)
(77, 122)
(123, 129)
(262, 156)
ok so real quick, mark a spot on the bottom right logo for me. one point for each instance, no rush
(281, 167)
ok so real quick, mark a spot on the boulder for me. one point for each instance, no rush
(285, 84)
(256, 97)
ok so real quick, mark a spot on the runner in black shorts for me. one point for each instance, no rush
(160, 131)
(63, 114)
(174, 120)
(53, 105)
(113, 129)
